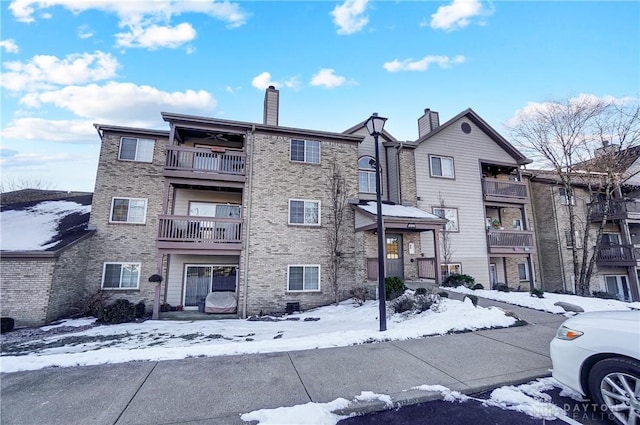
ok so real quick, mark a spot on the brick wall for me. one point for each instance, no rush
(274, 244)
(122, 242)
(25, 288)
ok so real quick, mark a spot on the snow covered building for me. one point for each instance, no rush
(44, 249)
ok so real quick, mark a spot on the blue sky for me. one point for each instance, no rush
(67, 64)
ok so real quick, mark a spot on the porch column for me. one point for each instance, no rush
(436, 250)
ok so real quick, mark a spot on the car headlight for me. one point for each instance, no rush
(567, 333)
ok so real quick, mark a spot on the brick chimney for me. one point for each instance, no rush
(428, 122)
(271, 106)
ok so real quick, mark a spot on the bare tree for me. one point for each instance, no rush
(445, 239)
(335, 223)
(585, 141)
(25, 183)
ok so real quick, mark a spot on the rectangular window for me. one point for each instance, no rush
(571, 240)
(517, 224)
(450, 214)
(132, 149)
(618, 285)
(305, 151)
(303, 278)
(121, 276)
(566, 196)
(441, 166)
(523, 271)
(367, 181)
(449, 269)
(304, 212)
(128, 210)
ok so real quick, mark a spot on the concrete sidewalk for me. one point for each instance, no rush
(217, 390)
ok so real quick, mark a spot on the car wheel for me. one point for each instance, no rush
(615, 385)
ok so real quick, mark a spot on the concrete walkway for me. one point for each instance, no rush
(217, 390)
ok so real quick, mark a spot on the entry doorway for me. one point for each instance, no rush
(201, 279)
(493, 275)
(394, 263)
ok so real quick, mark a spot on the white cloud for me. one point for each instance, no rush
(263, 80)
(156, 36)
(326, 78)
(44, 71)
(147, 22)
(68, 131)
(9, 46)
(349, 17)
(423, 64)
(119, 102)
(457, 15)
(85, 31)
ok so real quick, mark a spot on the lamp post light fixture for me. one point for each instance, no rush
(375, 125)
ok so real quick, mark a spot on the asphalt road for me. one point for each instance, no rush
(475, 413)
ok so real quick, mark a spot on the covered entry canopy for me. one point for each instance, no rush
(396, 217)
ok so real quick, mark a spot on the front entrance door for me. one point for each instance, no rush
(202, 279)
(394, 256)
(493, 275)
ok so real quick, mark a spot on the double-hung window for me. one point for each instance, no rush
(121, 276)
(566, 196)
(523, 271)
(441, 166)
(128, 210)
(367, 175)
(133, 149)
(303, 278)
(451, 214)
(304, 212)
(305, 151)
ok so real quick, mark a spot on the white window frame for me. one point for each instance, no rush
(619, 286)
(137, 153)
(120, 287)
(369, 173)
(451, 214)
(305, 201)
(576, 239)
(306, 159)
(565, 198)
(113, 201)
(517, 224)
(448, 271)
(304, 271)
(442, 175)
(526, 272)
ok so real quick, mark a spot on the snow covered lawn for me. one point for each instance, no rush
(333, 326)
(524, 299)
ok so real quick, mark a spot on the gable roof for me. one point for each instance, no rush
(472, 116)
(45, 225)
(362, 124)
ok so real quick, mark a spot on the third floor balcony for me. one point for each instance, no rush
(495, 190)
(205, 163)
(619, 209)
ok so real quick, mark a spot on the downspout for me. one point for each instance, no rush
(247, 220)
(399, 182)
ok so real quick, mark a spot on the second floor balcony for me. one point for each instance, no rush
(199, 233)
(616, 256)
(214, 163)
(510, 241)
(495, 190)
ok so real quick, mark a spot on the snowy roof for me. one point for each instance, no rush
(401, 211)
(46, 225)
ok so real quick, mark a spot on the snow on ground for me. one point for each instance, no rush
(529, 398)
(525, 299)
(32, 228)
(337, 326)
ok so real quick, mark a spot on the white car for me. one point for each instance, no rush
(598, 355)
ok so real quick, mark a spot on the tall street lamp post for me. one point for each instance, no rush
(375, 124)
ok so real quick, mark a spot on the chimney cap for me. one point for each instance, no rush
(271, 87)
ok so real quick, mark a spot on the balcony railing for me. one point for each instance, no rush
(618, 209)
(616, 255)
(200, 160)
(509, 241)
(505, 191)
(198, 232)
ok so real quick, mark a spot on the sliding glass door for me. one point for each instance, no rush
(201, 279)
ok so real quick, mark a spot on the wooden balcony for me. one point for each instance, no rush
(619, 209)
(510, 241)
(199, 233)
(616, 256)
(201, 163)
(505, 191)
